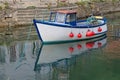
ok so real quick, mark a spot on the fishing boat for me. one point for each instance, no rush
(63, 26)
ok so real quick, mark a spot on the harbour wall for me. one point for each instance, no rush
(24, 16)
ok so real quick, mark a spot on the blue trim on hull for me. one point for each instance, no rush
(34, 21)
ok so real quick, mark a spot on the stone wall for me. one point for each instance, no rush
(23, 16)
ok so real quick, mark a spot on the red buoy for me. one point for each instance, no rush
(93, 33)
(99, 29)
(71, 49)
(79, 35)
(79, 46)
(90, 45)
(99, 44)
(71, 35)
(90, 33)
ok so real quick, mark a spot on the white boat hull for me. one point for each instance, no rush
(50, 33)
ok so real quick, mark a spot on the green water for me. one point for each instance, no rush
(23, 57)
(96, 67)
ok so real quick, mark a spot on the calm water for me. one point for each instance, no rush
(96, 59)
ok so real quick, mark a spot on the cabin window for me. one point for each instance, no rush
(60, 18)
(71, 18)
(52, 16)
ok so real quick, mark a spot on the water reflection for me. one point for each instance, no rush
(55, 61)
(83, 60)
(17, 60)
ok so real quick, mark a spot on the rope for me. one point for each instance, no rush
(19, 63)
(92, 20)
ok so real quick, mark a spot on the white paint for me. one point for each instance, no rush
(55, 33)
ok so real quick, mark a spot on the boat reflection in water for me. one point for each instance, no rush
(54, 60)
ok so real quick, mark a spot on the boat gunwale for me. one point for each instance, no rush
(68, 25)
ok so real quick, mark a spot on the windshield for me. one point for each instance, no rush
(60, 17)
(71, 18)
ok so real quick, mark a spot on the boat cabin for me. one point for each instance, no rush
(63, 16)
